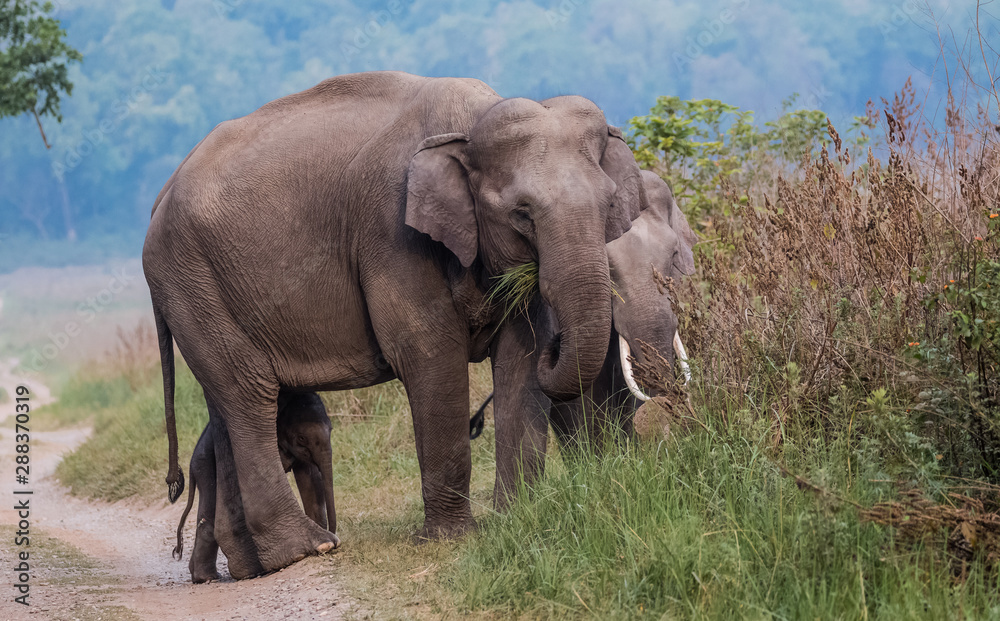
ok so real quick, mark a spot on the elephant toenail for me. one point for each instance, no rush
(325, 547)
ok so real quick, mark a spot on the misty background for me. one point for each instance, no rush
(157, 76)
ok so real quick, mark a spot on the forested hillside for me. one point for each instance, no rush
(156, 77)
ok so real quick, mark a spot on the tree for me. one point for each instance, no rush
(33, 61)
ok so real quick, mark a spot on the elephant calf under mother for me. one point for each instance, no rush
(347, 235)
(304, 446)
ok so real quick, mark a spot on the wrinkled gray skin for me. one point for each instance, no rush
(660, 238)
(346, 235)
(304, 447)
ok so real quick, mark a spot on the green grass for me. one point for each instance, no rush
(515, 288)
(127, 454)
(700, 526)
(703, 527)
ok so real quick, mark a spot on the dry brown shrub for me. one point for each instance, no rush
(670, 411)
(134, 356)
(820, 275)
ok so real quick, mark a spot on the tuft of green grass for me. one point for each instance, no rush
(515, 288)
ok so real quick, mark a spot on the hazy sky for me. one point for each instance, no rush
(157, 77)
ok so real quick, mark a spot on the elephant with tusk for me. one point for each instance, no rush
(345, 236)
(680, 359)
(658, 245)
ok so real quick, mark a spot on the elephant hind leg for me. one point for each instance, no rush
(205, 552)
(230, 528)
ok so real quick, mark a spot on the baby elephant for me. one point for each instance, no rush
(304, 446)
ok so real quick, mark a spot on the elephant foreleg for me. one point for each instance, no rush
(429, 353)
(439, 398)
(230, 529)
(519, 410)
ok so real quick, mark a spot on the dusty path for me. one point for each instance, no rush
(117, 563)
(9, 380)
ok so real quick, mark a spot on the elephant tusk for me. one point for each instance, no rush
(682, 357)
(627, 370)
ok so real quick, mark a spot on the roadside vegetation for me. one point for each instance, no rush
(841, 458)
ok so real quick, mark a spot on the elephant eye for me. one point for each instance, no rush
(522, 214)
(520, 218)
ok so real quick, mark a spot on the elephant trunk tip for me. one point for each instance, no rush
(175, 486)
(560, 375)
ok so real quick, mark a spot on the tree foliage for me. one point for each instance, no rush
(697, 143)
(34, 59)
(160, 75)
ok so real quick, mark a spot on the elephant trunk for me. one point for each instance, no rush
(578, 288)
(326, 469)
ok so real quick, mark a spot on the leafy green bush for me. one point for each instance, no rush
(698, 144)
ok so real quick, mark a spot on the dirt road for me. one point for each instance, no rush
(94, 560)
(9, 378)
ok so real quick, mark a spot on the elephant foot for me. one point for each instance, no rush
(323, 548)
(310, 540)
(438, 530)
(204, 554)
(202, 576)
(329, 546)
(242, 572)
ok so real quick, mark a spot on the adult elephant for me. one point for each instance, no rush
(346, 235)
(659, 244)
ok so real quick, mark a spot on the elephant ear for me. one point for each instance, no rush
(684, 259)
(662, 202)
(629, 199)
(438, 199)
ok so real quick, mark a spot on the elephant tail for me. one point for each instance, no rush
(179, 550)
(175, 476)
(478, 419)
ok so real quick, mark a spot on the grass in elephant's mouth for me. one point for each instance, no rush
(515, 288)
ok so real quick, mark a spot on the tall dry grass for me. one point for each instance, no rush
(847, 277)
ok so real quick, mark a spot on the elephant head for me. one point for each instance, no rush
(304, 446)
(542, 181)
(658, 246)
